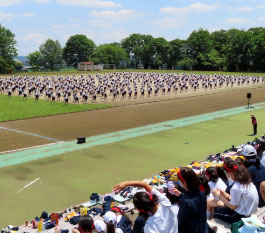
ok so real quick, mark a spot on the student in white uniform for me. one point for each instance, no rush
(243, 199)
(214, 181)
(155, 206)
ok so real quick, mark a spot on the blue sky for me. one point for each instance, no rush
(104, 21)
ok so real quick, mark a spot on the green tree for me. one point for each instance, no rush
(136, 46)
(258, 50)
(78, 48)
(109, 54)
(35, 60)
(7, 49)
(239, 50)
(51, 54)
(175, 53)
(160, 48)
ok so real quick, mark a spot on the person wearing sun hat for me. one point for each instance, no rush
(256, 170)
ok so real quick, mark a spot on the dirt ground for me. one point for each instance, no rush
(124, 115)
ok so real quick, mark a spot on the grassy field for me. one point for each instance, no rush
(71, 72)
(69, 179)
(16, 108)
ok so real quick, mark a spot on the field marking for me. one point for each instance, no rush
(29, 184)
(66, 147)
(35, 135)
(31, 147)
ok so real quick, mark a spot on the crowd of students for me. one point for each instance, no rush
(118, 85)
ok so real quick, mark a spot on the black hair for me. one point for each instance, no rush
(204, 183)
(213, 175)
(110, 227)
(191, 179)
(221, 174)
(171, 197)
(86, 224)
(144, 204)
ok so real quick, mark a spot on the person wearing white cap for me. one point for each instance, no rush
(256, 170)
(110, 219)
(100, 226)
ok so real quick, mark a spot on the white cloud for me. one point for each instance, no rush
(261, 19)
(9, 2)
(89, 3)
(261, 7)
(73, 20)
(121, 16)
(42, 1)
(37, 38)
(167, 22)
(27, 15)
(6, 16)
(245, 8)
(195, 7)
(237, 21)
(241, 9)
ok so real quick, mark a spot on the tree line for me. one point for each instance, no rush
(223, 50)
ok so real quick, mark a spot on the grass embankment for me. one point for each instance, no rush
(70, 178)
(15, 108)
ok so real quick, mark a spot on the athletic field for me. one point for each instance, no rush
(130, 141)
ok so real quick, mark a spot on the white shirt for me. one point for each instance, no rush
(219, 184)
(164, 220)
(245, 197)
(262, 161)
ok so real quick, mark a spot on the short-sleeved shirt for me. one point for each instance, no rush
(219, 184)
(245, 197)
(164, 220)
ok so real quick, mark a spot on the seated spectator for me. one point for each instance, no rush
(192, 208)
(110, 219)
(154, 206)
(214, 181)
(256, 170)
(243, 199)
(123, 221)
(85, 225)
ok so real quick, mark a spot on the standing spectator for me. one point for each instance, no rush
(255, 124)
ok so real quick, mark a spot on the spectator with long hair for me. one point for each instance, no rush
(192, 208)
(156, 209)
(213, 180)
(243, 198)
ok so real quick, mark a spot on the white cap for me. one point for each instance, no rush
(100, 226)
(249, 150)
(110, 217)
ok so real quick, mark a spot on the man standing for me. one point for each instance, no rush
(255, 124)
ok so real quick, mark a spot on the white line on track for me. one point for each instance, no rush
(32, 182)
(32, 147)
